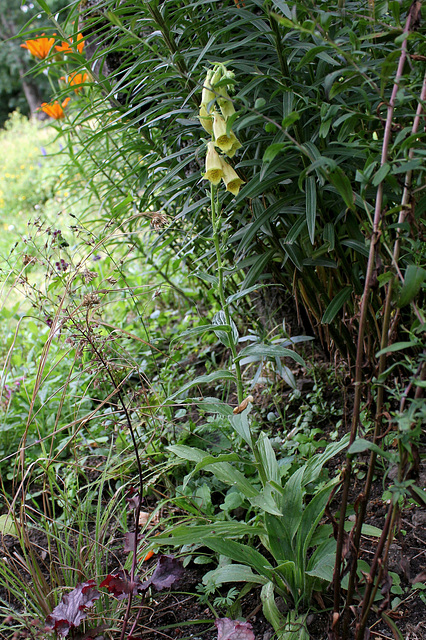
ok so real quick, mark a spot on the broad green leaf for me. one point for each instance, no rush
(214, 405)
(336, 304)
(208, 460)
(356, 245)
(311, 206)
(397, 346)
(283, 7)
(310, 519)
(323, 568)
(202, 275)
(266, 501)
(341, 182)
(7, 526)
(269, 607)
(232, 573)
(360, 445)
(290, 119)
(241, 553)
(257, 268)
(225, 336)
(413, 280)
(244, 292)
(273, 150)
(316, 463)
(371, 531)
(270, 351)
(241, 425)
(185, 534)
(187, 453)
(381, 174)
(292, 501)
(268, 459)
(220, 374)
(227, 474)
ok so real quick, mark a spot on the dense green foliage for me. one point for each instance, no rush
(159, 282)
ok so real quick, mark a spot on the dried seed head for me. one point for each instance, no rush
(158, 221)
(90, 300)
(88, 276)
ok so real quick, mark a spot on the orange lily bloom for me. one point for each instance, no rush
(54, 109)
(65, 47)
(39, 47)
(77, 79)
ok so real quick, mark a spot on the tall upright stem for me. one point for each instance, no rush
(359, 373)
(216, 223)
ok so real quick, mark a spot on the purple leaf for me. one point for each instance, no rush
(133, 498)
(120, 585)
(70, 612)
(129, 541)
(167, 571)
(228, 629)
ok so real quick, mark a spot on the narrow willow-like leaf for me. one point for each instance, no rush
(311, 206)
(220, 374)
(336, 304)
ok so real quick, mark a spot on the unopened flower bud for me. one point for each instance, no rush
(205, 119)
(226, 106)
(207, 95)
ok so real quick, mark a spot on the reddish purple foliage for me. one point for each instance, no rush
(70, 612)
(133, 498)
(167, 571)
(120, 585)
(129, 541)
(228, 629)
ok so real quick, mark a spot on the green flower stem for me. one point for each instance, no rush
(215, 207)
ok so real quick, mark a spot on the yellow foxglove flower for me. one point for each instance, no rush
(205, 119)
(236, 144)
(214, 170)
(222, 140)
(231, 179)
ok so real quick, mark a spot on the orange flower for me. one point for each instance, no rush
(39, 47)
(148, 556)
(54, 109)
(76, 79)
(65, 47)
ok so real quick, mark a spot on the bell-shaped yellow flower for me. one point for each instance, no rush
(236, 144)
(231, 179)
(222, 139)
(214, 170)
(205, 119)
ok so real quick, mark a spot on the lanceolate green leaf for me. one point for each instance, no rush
(232, 573)
(413, 280)
(270, 351)
(241, 553)
(311, 206)
(336, 304)
(184, 534)
(221, 374)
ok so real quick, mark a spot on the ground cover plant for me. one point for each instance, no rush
(224, 335)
